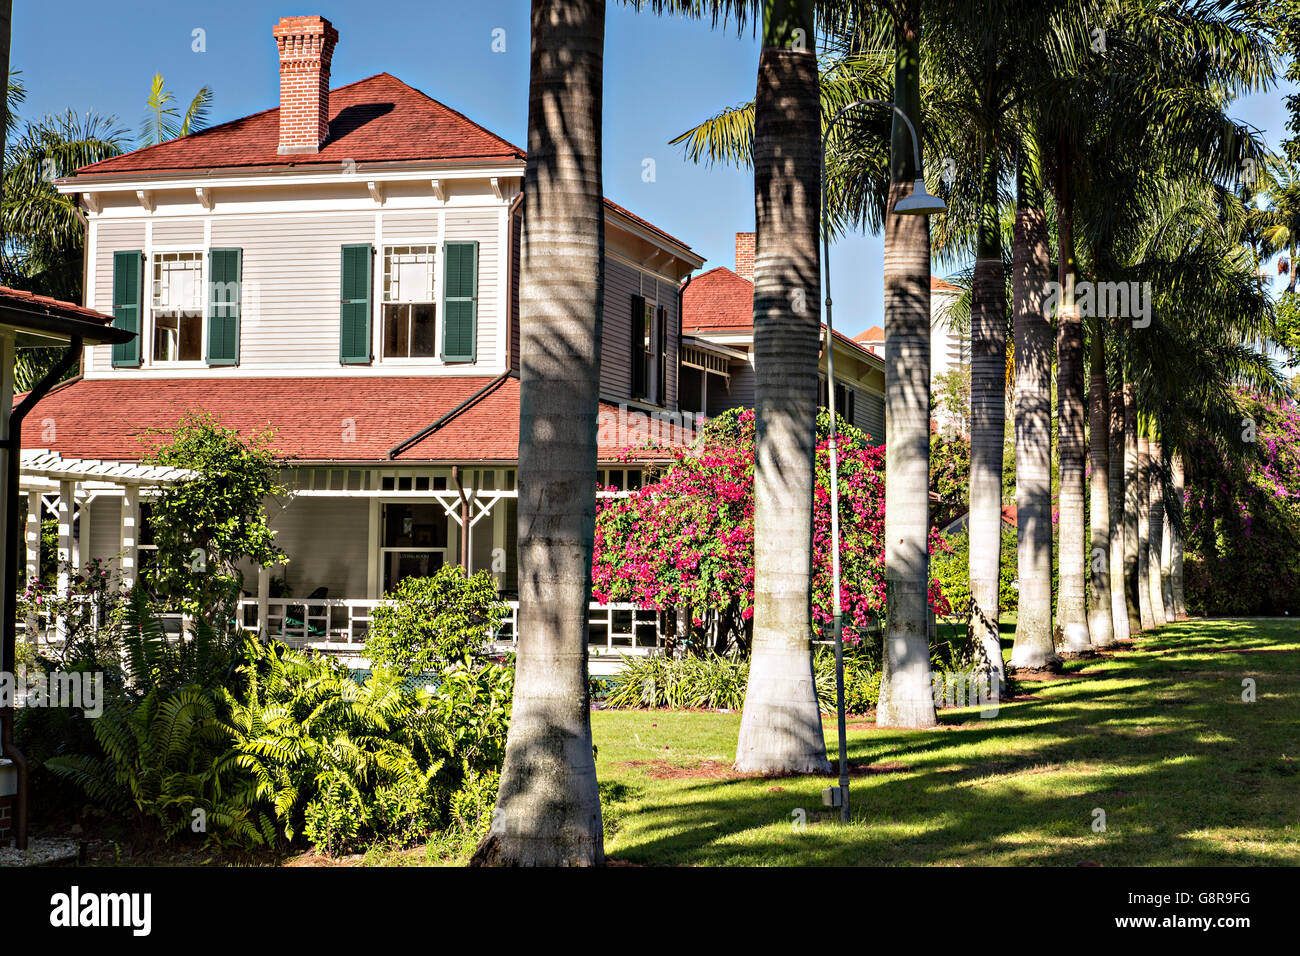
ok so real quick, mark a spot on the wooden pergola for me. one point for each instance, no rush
(69, 485)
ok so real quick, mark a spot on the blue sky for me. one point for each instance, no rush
(663, 75)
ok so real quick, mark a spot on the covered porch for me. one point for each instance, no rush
(352, 533)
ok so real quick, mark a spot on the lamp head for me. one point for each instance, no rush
(920, 203)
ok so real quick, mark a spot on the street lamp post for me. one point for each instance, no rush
(919, 203)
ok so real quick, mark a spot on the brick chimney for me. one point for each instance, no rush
(306, 47)
(745, 255)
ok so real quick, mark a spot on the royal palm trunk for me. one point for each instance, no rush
(988, 428)
(1032, 408)
(1156, 523)
(1118, 602)
(1133, 495)
(906, 695)
(1100, 627)
(1176, 538)
(548, 805)
(781, 728)
(1144, 533)
(1072, 450)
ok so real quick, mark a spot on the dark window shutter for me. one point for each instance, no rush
(638, 347)
(128, 274)
(661, 333)
(224, 296)
(459, 301)
(354, 306)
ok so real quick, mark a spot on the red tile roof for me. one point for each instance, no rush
(871, 336)
(715, 300)
(378, 119)
(316, 419)
(54, 307)
(941, 285)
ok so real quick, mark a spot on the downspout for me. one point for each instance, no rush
(406, 443)
(9, 581)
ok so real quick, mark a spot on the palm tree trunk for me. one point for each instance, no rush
(1176, 559)
(1144, 533)
(1072, 453)
(1133, 494)
(781, 727)
(1156, 498)
(1034, 647)
(906, 695)
(1118, 601)
(1100, 626)
(988, 428)
(548, 805)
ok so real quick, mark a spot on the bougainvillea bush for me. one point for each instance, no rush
(1243, 519)
(686, 538)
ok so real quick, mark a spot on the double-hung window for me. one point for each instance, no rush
(410, 304)
(176, 304)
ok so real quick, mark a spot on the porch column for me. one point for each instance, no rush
(499, 539)
(67, 509)
(34, 508)
(263, 600)
(130, 534)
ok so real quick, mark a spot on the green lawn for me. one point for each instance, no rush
(1156, 736)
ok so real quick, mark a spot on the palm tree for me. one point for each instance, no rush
(548, 805)
(906, 695)
(1115, 499)
(1137, 619)
(780, 728)
(1100, 623)
(1034, 647)
(162, 121)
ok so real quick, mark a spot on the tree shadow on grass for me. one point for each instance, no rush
(1168, 755)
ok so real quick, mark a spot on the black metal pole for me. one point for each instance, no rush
(9, 579)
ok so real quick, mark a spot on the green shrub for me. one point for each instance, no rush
(293, 746)
(718, 682)
(952, 569)
(433, 620)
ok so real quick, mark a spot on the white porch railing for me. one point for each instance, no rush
(341, 624)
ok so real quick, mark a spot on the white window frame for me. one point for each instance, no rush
(148, 344)
(381, 301)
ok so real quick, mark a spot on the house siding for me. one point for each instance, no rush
(291, 276)
(622, 282)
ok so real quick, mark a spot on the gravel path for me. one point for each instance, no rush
(40, 850)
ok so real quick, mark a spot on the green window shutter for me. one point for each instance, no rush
(354, 307)
(459, 301)
(224, 286)
(638, 347)
(661, 333)
(128, 273)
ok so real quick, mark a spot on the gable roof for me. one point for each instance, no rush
(942, 285)
(715, 300)
(378, 119)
